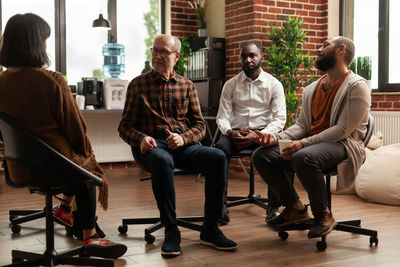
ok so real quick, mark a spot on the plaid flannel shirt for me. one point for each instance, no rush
(153, 105)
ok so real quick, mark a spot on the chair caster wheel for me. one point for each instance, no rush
(321, 245)
(16, 228)
(373, 240)
(149, 239)
(123, 229)
(283, 235)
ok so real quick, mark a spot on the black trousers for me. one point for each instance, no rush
(85, 197)
(229, 148)
(308, 163)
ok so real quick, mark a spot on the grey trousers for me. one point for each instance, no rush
(308, 163)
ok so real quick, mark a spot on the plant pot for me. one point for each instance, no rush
(202, 32)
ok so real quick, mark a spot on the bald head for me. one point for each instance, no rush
(171, 40)
(350, 48)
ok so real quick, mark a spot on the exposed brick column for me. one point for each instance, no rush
(249, 20)
(183, 19)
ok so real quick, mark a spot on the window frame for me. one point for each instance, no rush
(383, 45)
(60, 29)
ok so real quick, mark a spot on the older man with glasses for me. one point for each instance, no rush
(162, 122)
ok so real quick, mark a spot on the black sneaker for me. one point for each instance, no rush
(213, 236)
(225, 218)
(271, 212)
(324, 223)
(172, 241)
(290, 216)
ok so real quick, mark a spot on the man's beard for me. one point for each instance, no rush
(326, 62)
(251, 71)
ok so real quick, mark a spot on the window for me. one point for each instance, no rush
(43, 8)
(373, 26)
(74, 47)
(133, 34)
(394, 41)
(84, 43)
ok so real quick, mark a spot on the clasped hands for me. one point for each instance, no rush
(242, 138)
(174, 141)
(267, 140)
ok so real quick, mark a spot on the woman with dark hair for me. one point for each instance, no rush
(41, 100)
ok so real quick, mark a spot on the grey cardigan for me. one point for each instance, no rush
(348, 120)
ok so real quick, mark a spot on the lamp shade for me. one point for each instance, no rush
(101, 22)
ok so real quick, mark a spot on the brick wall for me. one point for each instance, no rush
(183, 19)
(250, 19)
(386, 101)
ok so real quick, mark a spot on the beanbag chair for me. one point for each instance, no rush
(378, 179)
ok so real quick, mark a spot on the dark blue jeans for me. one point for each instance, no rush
(308, 163)
(160, 162)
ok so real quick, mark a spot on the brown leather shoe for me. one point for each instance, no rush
(290, 216)
(324, 223)
(104, 248)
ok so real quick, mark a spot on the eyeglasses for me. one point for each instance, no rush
(162, 53)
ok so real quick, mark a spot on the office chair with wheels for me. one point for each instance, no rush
(351, 226)
(251, 198)
(184, 221)
(14, 215)
(51, 173)
(18, 217)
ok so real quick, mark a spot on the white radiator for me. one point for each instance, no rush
(102, 130)
(388, 123)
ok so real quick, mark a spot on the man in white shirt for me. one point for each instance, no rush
(252, 100)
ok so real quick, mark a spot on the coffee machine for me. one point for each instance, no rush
(92, 89)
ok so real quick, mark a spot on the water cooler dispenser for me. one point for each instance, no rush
(114, 66)
(114, 60)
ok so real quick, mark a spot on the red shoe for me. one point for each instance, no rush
(63, 217)
(104, 248)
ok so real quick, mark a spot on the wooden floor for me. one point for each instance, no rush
(258, 245)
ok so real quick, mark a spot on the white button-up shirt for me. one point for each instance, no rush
(248, 104)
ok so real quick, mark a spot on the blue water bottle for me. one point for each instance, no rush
(114, 60)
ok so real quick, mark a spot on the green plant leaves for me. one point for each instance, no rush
(362, 66)
(289, 63)
(182, 63)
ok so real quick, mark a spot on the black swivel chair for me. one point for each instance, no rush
(51, 173)
(18, 217)
(184, 221)
(351, 226)
(251, 198)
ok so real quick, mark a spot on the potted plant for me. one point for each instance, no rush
(363, 67)
(181, 65)
(200, 8)
(288, 62)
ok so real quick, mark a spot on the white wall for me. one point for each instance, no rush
(333, 18)
(215, 17)
(167, 16)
